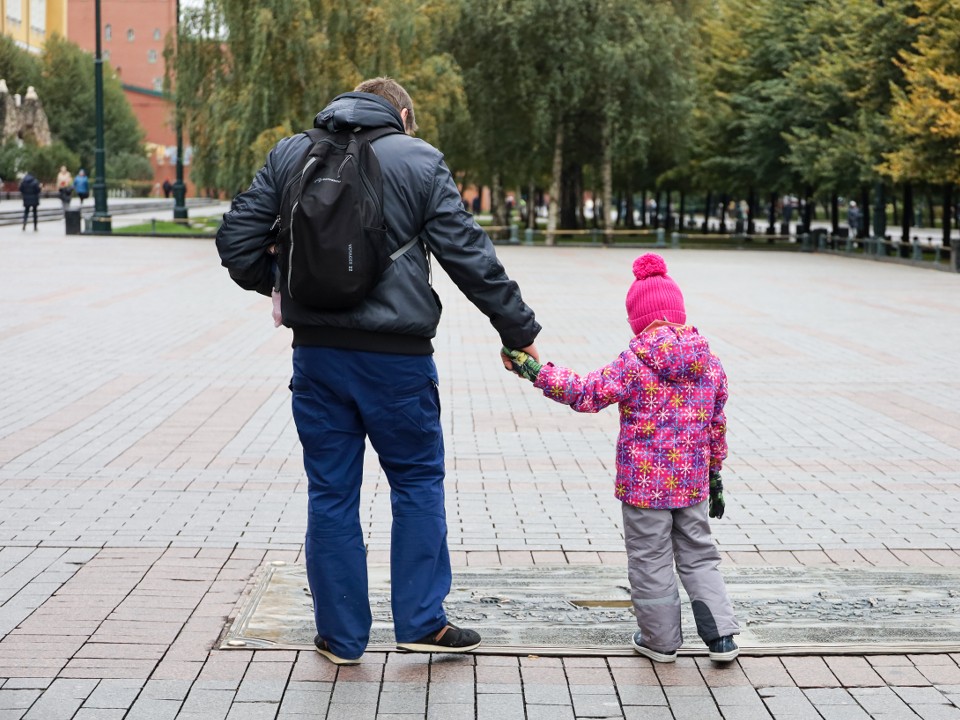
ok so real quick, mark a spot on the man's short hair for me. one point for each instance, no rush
(393, 92)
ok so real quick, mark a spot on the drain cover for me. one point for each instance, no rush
(577, 610)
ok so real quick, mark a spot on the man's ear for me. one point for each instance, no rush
(405, 116)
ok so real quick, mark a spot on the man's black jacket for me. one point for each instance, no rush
(420, 198)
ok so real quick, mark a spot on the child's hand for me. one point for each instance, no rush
(717, 504)
(277, 317)
(522, 364)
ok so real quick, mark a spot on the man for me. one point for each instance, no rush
(369, 372)
(30, 189)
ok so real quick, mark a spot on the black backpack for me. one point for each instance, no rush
(333, 238)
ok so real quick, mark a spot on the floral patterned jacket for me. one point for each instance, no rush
(671, 390)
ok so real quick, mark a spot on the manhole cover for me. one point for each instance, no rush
(577, 610)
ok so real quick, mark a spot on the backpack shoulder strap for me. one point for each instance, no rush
(371, 134)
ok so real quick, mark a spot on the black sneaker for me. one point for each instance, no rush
(723, 649)
(655, 655)
(323, 647)
(449, 639)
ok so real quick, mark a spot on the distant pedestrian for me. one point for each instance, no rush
(30, 189)
(853, 219)
(671, 390)
(64, 186)
(81, 184)
(167, 188)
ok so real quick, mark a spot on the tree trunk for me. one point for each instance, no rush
(532, 206)
(772, 215)
(571, 196)
(864, 230)
(751, 205)
(879, 214)
(707, 212)
(930, 222)
(607, 185)
(631, 209)
(498, 200)
(907, 216)
(643, 209)
(807, 209)
(835, 215)
(947, 207)
(555, 187)
(657, 211)
(683, 208)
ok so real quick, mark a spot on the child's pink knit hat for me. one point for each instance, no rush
(654, 295)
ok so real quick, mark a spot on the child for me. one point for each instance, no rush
(671, 390)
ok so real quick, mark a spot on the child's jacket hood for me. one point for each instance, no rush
(674, 354)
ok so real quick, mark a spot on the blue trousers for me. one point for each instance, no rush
(341, 397)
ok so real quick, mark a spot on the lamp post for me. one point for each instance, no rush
(101, 217)
(179, 188)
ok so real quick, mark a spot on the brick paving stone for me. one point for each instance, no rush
(788, 701)
(18, 699)
(253, 711)
(541, 712)
(853, 671)
(808, 672)
(881, 700)
(647, 713)
(596, 705)
(351, 711)
(765, 671)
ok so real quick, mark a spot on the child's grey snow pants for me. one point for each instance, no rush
(657, 538)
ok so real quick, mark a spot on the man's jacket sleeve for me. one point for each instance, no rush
(245, 234)
(467, 255)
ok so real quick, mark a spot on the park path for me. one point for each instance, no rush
(149, 465)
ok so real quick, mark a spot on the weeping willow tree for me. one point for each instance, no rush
(247, 74)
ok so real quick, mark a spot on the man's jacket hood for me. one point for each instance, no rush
(357, 109)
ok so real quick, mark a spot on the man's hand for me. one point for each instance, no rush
(522, 363)
(530, 350)
(717, 505)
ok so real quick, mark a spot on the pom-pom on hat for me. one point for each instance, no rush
(654, 295)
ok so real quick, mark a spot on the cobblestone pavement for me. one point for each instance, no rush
(149, 464)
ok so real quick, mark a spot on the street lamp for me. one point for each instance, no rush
(179, 189)
(101, 217)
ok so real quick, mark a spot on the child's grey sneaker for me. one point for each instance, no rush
(449, 639)
(323, 647)
(655, 655)
(723, 649)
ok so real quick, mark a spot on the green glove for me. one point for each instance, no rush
(717, 505)
(523, 365)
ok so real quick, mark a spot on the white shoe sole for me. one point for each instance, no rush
(336, 659)
(725, 657)
(424, 648)
(653, 654)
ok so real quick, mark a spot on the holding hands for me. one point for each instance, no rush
(521, 362)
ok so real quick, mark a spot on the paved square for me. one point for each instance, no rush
(148, 465)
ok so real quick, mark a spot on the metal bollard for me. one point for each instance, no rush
(528, 236)
(675, 240)
(805, 245)
(661, 238)
(514, 236)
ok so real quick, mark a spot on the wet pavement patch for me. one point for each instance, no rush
(582, 610)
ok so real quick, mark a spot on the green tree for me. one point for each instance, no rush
(925, 118)
(67, 91)
(842, 89)
(244, 68)
(18, 67)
